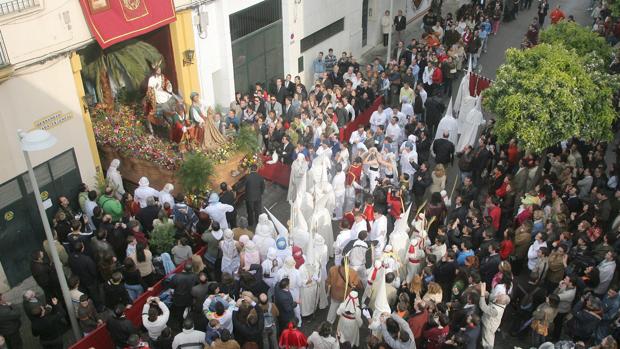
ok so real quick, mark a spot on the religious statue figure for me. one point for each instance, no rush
(160, 100)
(114, 179)
(205, 132)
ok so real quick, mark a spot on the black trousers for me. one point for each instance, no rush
(14, 340)
(254, 208)
(385, 39)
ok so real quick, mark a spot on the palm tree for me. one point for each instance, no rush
(126, 63)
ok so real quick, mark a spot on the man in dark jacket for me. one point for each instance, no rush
(120, 328)
(444, 273)
(423, 147)
(254, 189)
(480, 161)
(147, 214)
(45, 276)
(10, 322)
(84, 267)
(285, 303)
(490, 264)
(100, 247)
(444, 150)
(49, 324)
(115, 292)
(182, 284)
(421, 180)
(227, 196)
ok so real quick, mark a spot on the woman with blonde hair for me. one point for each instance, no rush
(439, 179)
(433, 293)
(198, 265)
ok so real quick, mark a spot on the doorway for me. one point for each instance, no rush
(21, 229)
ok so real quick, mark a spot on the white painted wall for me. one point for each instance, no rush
(214, 51)
(299, 19)
(30, 95)
(302, 18)
(52, 27)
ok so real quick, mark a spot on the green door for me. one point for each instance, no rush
(21, 229)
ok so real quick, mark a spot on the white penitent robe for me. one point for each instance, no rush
(349, 323)
(297, 182)
(338, 184)
(306, 206)
(308, 292)
(301, 238)
(415, 257)
(462, 92)
(469, 130)
(467, 104)
(322, 224)
(399, 240)
(321, 257)
(448, 124)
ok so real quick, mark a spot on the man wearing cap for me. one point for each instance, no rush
(217, 210)
(350, 320)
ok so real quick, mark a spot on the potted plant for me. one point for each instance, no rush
(194, 174)
(162, 237)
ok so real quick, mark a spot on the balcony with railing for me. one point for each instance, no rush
(6, 69)
(8, 7)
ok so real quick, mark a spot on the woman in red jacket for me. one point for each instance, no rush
(507, 247)
(436, 336)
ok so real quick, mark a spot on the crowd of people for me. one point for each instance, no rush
(417, 261)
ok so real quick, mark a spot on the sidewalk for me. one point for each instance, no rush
(413, 30)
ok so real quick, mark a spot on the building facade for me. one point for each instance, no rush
(241, 42)
(214, 47)
(40, 88)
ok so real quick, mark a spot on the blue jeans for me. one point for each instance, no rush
(134, 291)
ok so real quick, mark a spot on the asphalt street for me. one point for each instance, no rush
(509, 35)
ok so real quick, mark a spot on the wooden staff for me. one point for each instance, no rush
(346, 275)
(454, 186)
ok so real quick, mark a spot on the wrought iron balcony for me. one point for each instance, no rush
(16, 6)
(6, 69)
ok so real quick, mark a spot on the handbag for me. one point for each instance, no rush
(541, 327)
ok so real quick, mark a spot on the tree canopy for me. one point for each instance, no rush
(574, 36)
(547, 94)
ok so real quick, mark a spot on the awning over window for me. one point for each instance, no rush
(113, 21)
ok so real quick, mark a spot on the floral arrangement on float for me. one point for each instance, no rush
(249, 160)
(123, 131)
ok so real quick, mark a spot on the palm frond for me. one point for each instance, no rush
(127, 63)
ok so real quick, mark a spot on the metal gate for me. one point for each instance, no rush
(21, 229)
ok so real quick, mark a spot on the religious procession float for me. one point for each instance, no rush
(140, 119)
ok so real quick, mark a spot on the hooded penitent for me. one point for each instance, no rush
(298, 256)
(250, 255)
(264, 234)
(448, 124)
(297, 181)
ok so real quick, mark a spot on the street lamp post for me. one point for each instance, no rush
(389, 47)
(34, 141)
